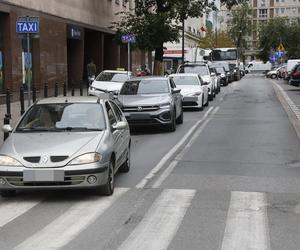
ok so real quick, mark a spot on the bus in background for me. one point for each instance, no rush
(229, 55)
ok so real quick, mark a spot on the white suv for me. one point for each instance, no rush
(202, 70)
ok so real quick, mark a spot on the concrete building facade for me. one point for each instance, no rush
(72, 32)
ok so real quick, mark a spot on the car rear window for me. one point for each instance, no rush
(185, 80)
(155, 86)
(197, 69)
(112, 77)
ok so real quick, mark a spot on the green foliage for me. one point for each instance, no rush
(239, 26)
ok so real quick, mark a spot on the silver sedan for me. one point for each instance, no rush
(66, 142)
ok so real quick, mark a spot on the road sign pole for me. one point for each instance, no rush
(128, 61)
(28, 69)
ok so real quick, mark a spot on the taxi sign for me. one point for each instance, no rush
(28, 25)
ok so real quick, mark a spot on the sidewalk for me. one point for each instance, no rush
(292, 91)
(16, 110)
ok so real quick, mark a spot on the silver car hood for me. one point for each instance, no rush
(71, 144)
(107, 86)
(189, 89)
(144, 100)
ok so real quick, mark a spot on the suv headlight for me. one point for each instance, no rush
(86, 159)
(92, 89)
(9, 161)
(164, 105)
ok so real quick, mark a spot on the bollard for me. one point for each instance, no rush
(46, 90)
(80, 88)
(73, 91)
(22, 100)
(5, 122)
(65, 88)
(8, 103)
(33, 94)
(56, 89)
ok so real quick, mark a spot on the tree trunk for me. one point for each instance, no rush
(158, 61)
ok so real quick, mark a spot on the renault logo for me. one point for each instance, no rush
(44, 159)
(140, 109)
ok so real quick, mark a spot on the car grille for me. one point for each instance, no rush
(190, 104)
(141, 108)
(69, 181)
(58, 158)
(32, 159)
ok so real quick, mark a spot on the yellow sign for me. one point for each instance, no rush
(280, 47)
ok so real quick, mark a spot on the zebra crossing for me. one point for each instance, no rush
(246, 224)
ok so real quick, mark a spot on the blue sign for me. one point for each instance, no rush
(1, 61)
(128, 39)
(74, 32)
(27, 27)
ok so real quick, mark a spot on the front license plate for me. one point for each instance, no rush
(43, 175)
(139, 116)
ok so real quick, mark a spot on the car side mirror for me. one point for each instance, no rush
(205, 83)
(120, 126)
(176, 91)
(7, 128)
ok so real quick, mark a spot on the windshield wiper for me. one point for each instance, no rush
(79, 128)
(24, 129)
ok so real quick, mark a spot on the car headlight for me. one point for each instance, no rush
(164, 105)
(92, 89)
(9, 161)
(222, 75)
(228, 73)
(196, 94)
(86, 159)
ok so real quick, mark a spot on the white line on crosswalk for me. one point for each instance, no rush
(246, 226)
(68, 225)
(11, 209)
(161, 222)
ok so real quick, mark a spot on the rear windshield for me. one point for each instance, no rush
(114, 77)
(197, 69)
(145, 87)
(220, 70)
(185, 80)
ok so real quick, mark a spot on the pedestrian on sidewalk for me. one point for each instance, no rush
(91, 71)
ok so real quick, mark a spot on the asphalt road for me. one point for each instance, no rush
(228, 178)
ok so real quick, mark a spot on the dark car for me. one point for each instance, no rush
(224, 79)
(151, 101)
(295, 75)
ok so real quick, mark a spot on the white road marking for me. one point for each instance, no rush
(174, 163)
(68, 225)
(246, 227)
(11, 209)
(160, 224)
(167, 157)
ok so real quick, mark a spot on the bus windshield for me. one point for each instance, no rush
(224, 55)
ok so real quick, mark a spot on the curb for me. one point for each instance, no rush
(289, 106)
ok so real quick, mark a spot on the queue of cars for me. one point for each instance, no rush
(82, 142)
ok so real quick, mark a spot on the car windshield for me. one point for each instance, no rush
(112, 77)
(63, 116)
(197, 69)
(143, 87)
(185, 80)
(220, 70)
(225, 65)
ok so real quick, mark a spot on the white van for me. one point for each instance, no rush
(258, 66)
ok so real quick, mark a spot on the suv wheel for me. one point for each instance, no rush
(172, 126)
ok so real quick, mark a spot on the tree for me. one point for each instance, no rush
(156, 22)
(277, 31)
(239, 26)
(216, 40)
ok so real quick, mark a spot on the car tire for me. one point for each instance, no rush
(108, 188)
(7, 193)
(125, 168)
(273, 76)
(207, 103)
(180, 118)
(172, 126)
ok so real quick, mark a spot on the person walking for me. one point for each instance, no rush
(91, 71)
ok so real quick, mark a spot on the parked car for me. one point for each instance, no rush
(216, 79)
(151, 101)
(193, 90)
(242, 69)
(272, 73)
(294, 78)
(224, 78)
(109, 81)
(258, 66)
(229, 71)
(289, 66)
(282, 72)
(66, 143)
(201, 69)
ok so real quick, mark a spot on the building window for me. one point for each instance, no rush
(282, 10)
(263, 13)
(190, 29)
(277, 10)
(263, 3)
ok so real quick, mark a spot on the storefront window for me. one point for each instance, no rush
(26, 63)
(1, 57)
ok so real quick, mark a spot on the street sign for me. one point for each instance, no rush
(128, 39)
(28, 25)
(280, 47)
